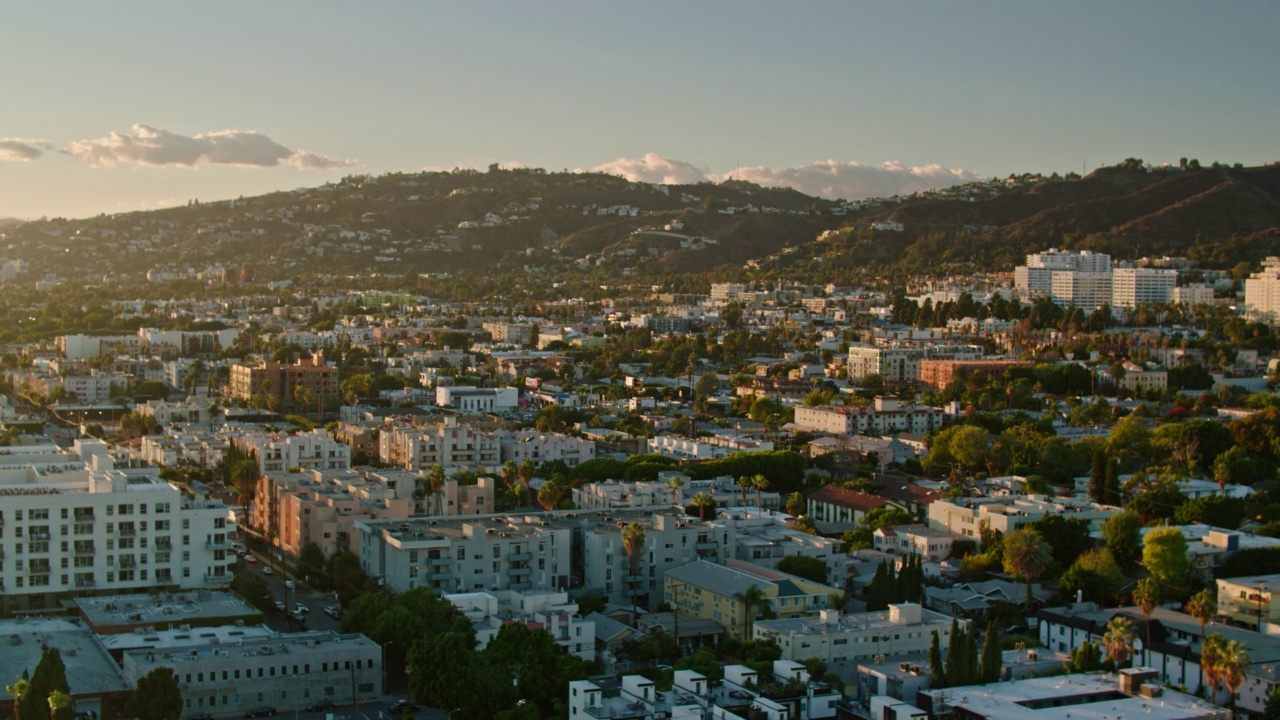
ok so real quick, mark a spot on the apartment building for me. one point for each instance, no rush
(1193, 294)
(512, 333)
(1250, 600)
(899, 365)
(705, 448)
(1006, 514)
(836, 509)
(1262, 290)
(1138, 377)
(578, 549)
(322, 508)
(475, 399)
(903, 629)
(1036, 277)
(1131, 287)
(724, 494)
(886, 416)
(764, 539)
(939, 373)
(96, 529)
(450, 445)
(929, 543)
(1085, 290)
(283, 380)
(707, 591)
(551, 610)
(284, 674)
(541, 447)
(278, 453)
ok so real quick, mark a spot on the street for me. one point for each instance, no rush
(315, 600)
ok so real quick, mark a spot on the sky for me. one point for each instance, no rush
(115, 107)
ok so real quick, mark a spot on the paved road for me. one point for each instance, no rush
(314, 599)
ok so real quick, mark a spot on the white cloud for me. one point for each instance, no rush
(835, 179)
(147, 145)
(827, 178)
(22, 150)
(654, 168)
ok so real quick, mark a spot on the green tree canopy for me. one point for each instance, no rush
(157, 696)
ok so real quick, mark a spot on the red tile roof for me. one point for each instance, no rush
(907, 492)
(848, 498)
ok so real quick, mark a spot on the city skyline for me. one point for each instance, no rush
(150, 106)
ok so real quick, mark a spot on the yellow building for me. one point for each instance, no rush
(708, 591)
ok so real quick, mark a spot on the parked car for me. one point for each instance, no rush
(266, 570)
(249, 558)
(322, 706)
(264, 711)
(403, 706)
(333, 611)
(280, 605)
(300, 608)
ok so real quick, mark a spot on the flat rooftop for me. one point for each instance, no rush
(1091, 696)
(205, 607)
(90, 669)
(323, 641)
(177, 638)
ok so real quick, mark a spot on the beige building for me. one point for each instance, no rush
(282, 381)
(1248, 600)
(903, 629)
(708, 591)
(886, 416)
(1006, 514)
(1262, 290)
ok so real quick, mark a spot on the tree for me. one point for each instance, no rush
(937, 674)
(1202, 606)
(760, 483)
(743, 482)
(1216, 510)
(1146, 595)
(18, 691)
(751, 600)
(1121, 535)
(1026, 554)
(157, 696)
(311, 561)
(50, 676)
(1068, 538)
(809, 568)
(435, 486)
(552, 491)
(795, 504)
(991, 663)
(59, 701)
(1086, 658)
(674, 483)
(703, 501)
(1223, 662)
(1119, 639)
(1095, 575)
(1164, 553)
(633, 539)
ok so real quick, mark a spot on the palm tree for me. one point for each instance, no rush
(1026, 554)
(19, 691)
(702, 501)
(795, 504)
(633, 538)
(759, 482)
(435, 484)
(1118, 639)
(1211, 652)
(58, 700)
(510, 473)
(1202, 607)
(1146, 595)
(750, 599)
(743, 483)
(674, 483)
(525, 471)
(1231, 664)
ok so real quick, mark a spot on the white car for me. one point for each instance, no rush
(267, 571)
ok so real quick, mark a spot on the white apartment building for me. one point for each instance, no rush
(450, 445)
(1194, 294)
(543, 447)
(503, 332)
(475, 399)
(1262, 290)
(902, 364)
(286, 672)
(556, 550)
(929, 543)
(1006, 514)
(886, 416)
(611, 494)
(551, 610)
(1131, 287)
(1085, 290)
(725, 292)
(278, 453)
(1035, 279)
(705, 448)
(764, 539)
(903, 629)
(97, 529)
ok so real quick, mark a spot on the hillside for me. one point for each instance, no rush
(472, 223)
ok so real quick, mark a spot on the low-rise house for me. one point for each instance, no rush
(974, 599)
(929, 543)
(903, 629)
(967, 515)
(836, 510)
(549, 610)
(710, 591)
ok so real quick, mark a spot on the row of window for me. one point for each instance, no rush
(86, 547)
(87, 579)
(270, 671)
(231, 699)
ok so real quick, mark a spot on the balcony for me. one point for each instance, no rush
(706, 545)
(126, 561)
(519, 557)
(217, 544)
(514, 571)
(84, 516)
(85, 549)
(83, 584)
(164, 543)
(439, 562)
(127, 530)
(438, 576)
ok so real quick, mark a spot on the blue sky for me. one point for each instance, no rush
(680, 90)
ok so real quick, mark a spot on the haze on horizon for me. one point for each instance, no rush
(120, 108)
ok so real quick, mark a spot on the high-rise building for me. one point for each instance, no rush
(1131, 287)
(1262, 290)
